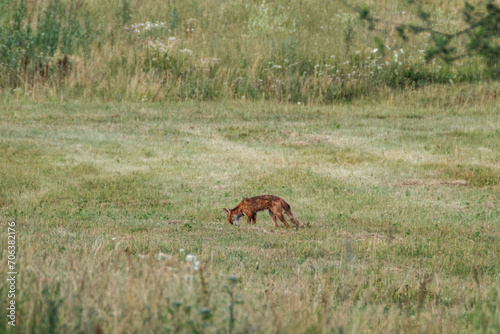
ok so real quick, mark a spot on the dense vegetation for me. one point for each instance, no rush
(280, 50)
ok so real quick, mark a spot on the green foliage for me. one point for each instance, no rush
(279, 50)
(124, 12)
(46, 39)
(27, 52)
(482, 32)
(175, 19)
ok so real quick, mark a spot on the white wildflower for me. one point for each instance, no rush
(196, 265)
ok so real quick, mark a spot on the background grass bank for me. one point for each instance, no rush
(287, 51)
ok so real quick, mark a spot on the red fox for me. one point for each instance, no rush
(250, 206)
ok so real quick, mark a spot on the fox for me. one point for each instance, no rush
(250, 206)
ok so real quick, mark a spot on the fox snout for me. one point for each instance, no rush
(229, 216)
(233, 219)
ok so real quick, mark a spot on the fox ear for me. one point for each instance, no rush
(226, 211)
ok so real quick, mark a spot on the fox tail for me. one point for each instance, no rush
(289, 214)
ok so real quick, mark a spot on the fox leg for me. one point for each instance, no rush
(273, 217)
(280, 216)
(254, 218)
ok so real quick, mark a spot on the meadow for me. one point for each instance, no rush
(127, 126)
(120, 226)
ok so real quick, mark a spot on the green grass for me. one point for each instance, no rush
(401, 199)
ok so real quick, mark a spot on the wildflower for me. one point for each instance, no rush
(375, 50)
(187, 51)
(181, 250)
(196, 265)
(190, 258)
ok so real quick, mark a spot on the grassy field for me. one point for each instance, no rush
(120, 226)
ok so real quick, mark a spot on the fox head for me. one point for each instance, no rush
(233, 217)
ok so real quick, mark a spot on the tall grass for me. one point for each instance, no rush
(278, 50)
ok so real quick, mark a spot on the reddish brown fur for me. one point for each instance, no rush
(250, 206)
